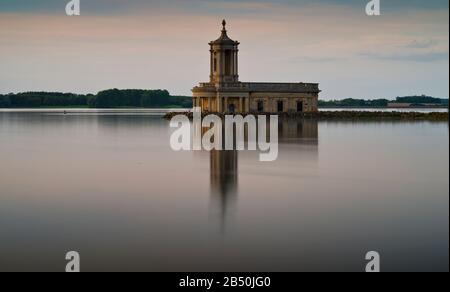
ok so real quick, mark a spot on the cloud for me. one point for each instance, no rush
(420, 57)
(395, 5)
(303, 59)
(422, 44)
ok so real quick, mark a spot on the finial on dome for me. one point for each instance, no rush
(224, 23)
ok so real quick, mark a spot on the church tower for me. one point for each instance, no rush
(224, 59)
(225, 94)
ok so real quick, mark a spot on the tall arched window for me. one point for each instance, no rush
(228, 62)
(260, 106)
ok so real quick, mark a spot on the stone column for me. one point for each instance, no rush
(237, 65)
(219, 104)
(232, 63)
(241, 104)
(233, 69)
(212, 65)
(222, 65)
(209, 104)
(247, 104)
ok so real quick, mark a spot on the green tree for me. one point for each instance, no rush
(5, 101)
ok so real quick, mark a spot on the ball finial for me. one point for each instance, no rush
(224, 23)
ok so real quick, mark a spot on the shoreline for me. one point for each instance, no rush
(346, 116)
(336, 114)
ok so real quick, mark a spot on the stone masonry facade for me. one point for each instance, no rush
(225, 94)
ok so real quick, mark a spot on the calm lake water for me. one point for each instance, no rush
(108, 186)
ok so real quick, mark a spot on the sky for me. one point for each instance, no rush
(163, 44)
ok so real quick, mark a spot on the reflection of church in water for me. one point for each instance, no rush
(224, 182)
(224, 165)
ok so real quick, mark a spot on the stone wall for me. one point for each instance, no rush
(245, 102)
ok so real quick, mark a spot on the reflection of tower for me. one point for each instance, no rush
(298, 131)
(224, 181)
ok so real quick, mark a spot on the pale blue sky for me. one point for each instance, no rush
(106, 6)
(163, 44)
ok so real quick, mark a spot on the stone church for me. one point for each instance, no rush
(224, 93)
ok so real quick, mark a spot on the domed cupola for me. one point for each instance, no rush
(224, 39)
(224, 58)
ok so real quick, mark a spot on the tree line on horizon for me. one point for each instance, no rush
(112, 98)
(135, 98)
(416, 100)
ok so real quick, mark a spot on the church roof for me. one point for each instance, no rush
(224, 39)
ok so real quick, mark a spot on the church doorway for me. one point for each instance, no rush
(300, 106)
(232, 109)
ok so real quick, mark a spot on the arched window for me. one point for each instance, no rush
(280, 106)
(260, 106)
(228, 63)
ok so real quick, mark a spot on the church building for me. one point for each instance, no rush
(224, 93)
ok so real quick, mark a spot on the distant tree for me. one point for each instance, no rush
(422, 99)
(133, 97)
(104, 99)
(63, 99)
(379, 102)
(181, 101)
(108, 98)
(27, 99)
(91, 99)
(5, 101)
(351, 102)
(156, 98)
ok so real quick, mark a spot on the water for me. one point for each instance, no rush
(163, 111)
(403, 110)
(95, 111)
(109, 187)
